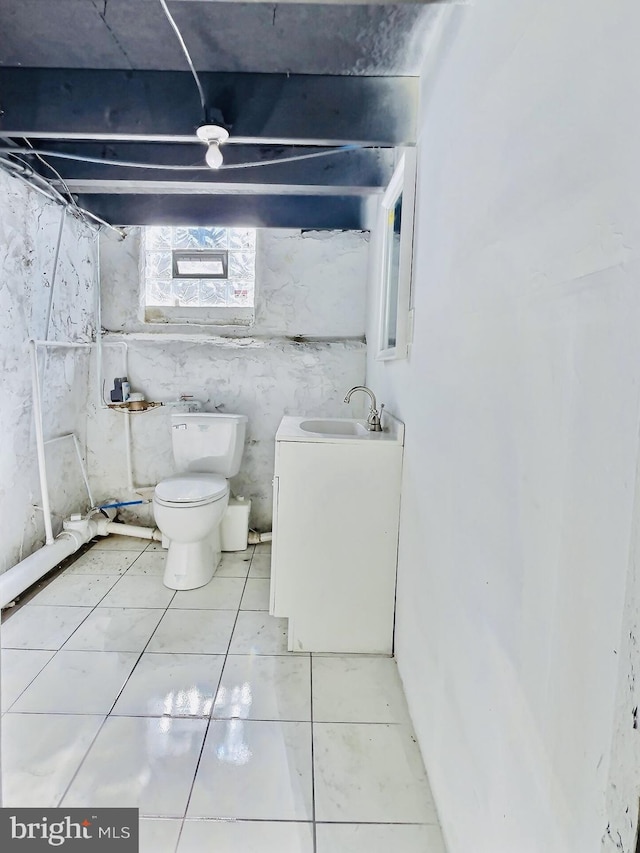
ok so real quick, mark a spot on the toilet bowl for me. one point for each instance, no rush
(189, 507)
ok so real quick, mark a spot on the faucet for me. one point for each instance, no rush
(373, 420)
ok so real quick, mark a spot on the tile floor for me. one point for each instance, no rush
(118, 691)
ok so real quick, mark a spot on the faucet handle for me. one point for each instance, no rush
(373, 421)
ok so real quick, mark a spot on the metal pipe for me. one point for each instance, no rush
(37, 419)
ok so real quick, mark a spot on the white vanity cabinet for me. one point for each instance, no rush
(335, 535)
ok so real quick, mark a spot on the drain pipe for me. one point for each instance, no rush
(42, 467)
(76, 533)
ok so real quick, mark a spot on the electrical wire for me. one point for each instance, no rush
(55, 171)
(10, 167)
(132, 164)
(203, 101)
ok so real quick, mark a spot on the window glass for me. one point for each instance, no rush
(177, 260)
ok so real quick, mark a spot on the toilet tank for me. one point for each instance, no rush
(208, 442)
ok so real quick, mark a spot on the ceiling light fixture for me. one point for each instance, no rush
(214, 136)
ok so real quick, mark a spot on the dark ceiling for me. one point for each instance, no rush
(107, 79)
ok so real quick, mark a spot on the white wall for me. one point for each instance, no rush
(521, 405)
(29, 229)
(311, 284)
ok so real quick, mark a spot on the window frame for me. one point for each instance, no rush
(401, 186)
(178, 255)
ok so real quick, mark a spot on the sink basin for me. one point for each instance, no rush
(339, 430)
(328, 426)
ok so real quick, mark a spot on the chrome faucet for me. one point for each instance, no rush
(373, 419)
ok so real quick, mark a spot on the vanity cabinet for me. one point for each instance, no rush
(335, 537)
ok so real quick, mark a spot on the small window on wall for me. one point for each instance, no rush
(199, 275)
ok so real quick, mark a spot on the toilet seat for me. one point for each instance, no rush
(195, 489)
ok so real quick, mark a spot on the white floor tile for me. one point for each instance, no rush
(19, 668)
(262, 548)
(41, 627)
(98, 561)
(254, 770)
(260, 566)
(116, 542)
(366, 773)
(154, 545)
(141, 762)
(150, 563)
(138, 591)
(265, 687)
(218, 594)
(75, 590)
(40, 754)
(256, 594)
(78, 683)
(234, 564)
(357, 689)
(202, 836)
(258, 633)
(171, 685)
(159, 835)
(115, 629)
(378, 838)
(204, 632)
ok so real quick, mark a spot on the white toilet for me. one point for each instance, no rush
(189, 507)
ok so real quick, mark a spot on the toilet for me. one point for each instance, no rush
(189, 507)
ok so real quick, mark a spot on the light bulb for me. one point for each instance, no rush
(214, 155)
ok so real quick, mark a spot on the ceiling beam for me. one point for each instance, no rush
(208, 188)
(164, 106)
(249, 211)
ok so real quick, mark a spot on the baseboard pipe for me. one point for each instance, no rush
(19, 578)
(133, 530)
(256, 538)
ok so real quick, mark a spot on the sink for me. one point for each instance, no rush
(328, 426)
(339, 430)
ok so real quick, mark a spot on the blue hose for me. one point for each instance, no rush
(121, 503)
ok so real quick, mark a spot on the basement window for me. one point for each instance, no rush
(201, 275)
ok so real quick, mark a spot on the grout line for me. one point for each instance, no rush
(211, 719)
(313, 768)
(100, 728)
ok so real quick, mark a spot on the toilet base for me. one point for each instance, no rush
(191, 565)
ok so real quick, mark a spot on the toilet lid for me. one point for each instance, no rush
(187, 488)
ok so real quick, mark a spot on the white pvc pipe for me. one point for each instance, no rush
(85, 476)
(21, 577)
(61, 344)
(52, 287)
(133, 530)
(127, 448)
(83, 469)
(42, 467)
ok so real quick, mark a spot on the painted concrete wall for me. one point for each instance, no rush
(29, 230)
(521, 403)
(310, 284)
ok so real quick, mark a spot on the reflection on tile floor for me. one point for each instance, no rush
(118, 691)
